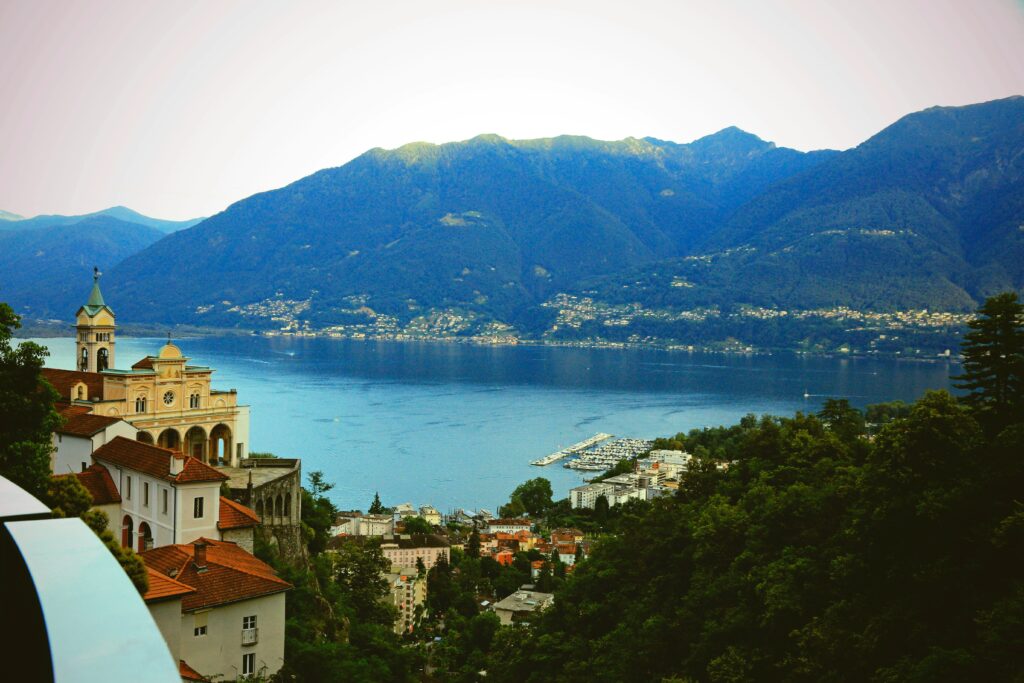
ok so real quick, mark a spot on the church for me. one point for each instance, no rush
(169, 402)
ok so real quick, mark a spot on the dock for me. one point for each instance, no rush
(572, 450)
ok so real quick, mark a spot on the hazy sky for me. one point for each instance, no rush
(177, 109)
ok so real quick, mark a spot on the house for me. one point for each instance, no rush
(430, 513)
(566, 535)
(229, 605)
(166, 497)
(80, 435)
(408, 591)
(237, 524)
(509, 526)
(519, 607)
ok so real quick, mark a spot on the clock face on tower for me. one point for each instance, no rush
(169, 398)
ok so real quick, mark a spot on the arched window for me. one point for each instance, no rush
(126, 531)
(140, 404)
(83, 365)
(145, 538)
(102, 360)
(193, 401)
(278, 504)
(81, 392)
(288, 505)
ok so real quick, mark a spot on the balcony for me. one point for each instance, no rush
(250, 636)
(79, 618)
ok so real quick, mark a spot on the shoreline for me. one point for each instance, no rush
(58, 330)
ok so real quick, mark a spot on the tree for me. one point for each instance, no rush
(533, 497)
(421, 569)
(27, 417)
(601, 508)
(994, 361)
(417, 525)
(473, 547)
(318, 513)
(376, 507)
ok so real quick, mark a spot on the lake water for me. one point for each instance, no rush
(455, 425)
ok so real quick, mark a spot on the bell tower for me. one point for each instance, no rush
(95, 325)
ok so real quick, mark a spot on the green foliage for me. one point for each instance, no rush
(417, 525)
(376, 507)
(318, 513)
(817, 555)
(532, 497)
(27, 417)
(261, 455)
(994, 361)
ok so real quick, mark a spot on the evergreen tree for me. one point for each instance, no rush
(376, 507)
(27, 417)
(473, 547)
(994, 361)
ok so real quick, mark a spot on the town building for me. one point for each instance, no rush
(405, 549)
(508, 526)
(408, 591)
(355, 523)
(227, 606)
(171, 403)
(80, 435)
(431, 514)
(521, 606)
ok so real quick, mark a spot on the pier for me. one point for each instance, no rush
(572, 450)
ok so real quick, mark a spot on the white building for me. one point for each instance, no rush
(81, 434)
(358, 524)
(430, 513)
(220, 609)
(408, 592)
(406, 549)
(521, 606)
(508, 526)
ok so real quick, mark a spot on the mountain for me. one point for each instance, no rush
(489, 226)
(44, 271)
(928, 213)
(121, 213)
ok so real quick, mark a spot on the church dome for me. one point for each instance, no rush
(169, 350)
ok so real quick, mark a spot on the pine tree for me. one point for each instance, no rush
(376, 507)
(994, 361)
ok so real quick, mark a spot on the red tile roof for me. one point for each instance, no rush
(235, 515)
(97, 481)
(188, 673)
(144, 364)
(231, 574)
(164, 587)
(155, 461)
(64, 380)
(68, 409)
(85, 425)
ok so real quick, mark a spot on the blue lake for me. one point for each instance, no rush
(455, 425)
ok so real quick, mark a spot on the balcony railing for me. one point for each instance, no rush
(250, 636)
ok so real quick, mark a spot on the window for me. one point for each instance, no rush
(163, 504)
(199, 624)
(128, 488)
(145, 493)
(193, 401)
(249, 622)
(249, 664)
(140, 404)
(197, 508)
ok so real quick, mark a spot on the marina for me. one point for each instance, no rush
(608, 455)
(572, 450)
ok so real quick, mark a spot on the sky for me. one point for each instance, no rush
(177, 109)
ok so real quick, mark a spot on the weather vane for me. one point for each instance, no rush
(96, 273)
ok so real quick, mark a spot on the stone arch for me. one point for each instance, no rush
(220, 444)
(288, 506)
(145, 537)
(195, 443)
(144, 437)
(278, 504)
(259, 509)
(126, 531)
(102, 359)
(170, 438)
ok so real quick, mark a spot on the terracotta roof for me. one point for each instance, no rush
(231, 574)
(144, 364)
(69, 409)
(64, 380)
(86, 425)
(164, 587)
(517, 521)
(155, 461)
(235, 515)
(97, 481)
(188, 673)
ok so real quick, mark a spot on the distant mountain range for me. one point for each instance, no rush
(928, 213)
(45, 260)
